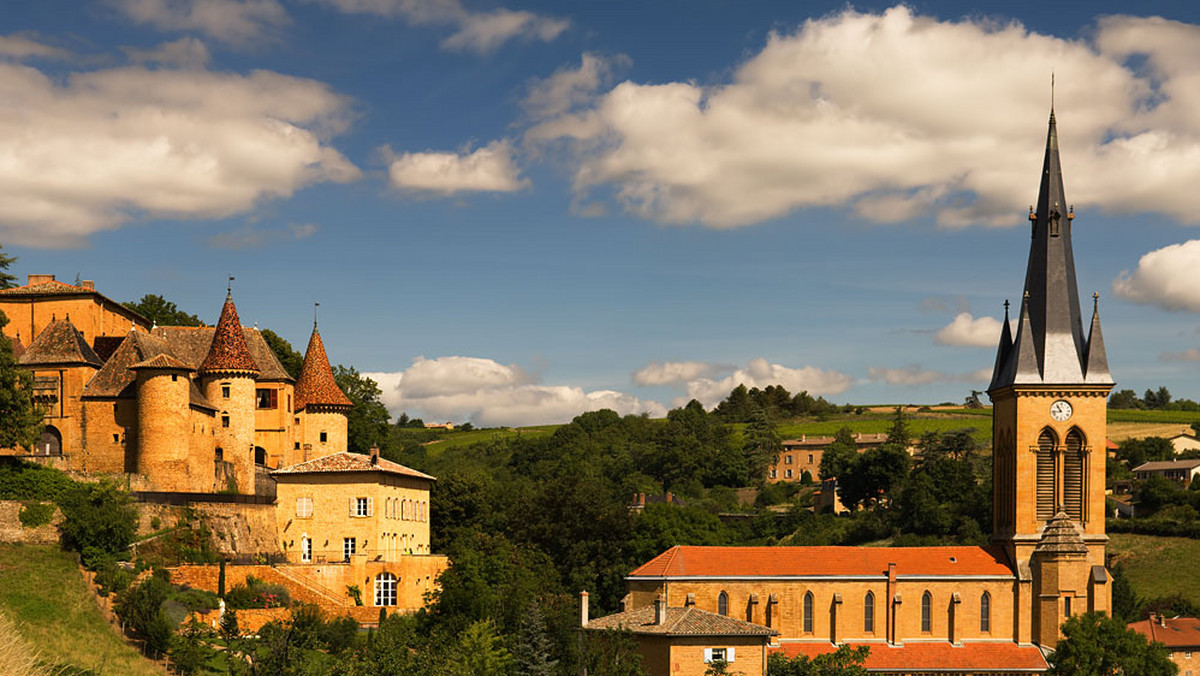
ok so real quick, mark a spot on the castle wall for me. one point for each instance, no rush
(318, 425)
(29, 316)
(110, 436)
(274, 422)
(236, 439)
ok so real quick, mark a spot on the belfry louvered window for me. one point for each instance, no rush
(1046, 474)
(1074, 476)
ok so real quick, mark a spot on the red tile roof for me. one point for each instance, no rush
(695, 561)
(1179, 632)
(689, 621)
(316, 385)
(351, 462)
(229, 351)
(937, 657)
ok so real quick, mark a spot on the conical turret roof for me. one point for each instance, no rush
(229, 351)
(316, 385)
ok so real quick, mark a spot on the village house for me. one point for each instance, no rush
(1182, 472)
(804, 455)
(1181, 635)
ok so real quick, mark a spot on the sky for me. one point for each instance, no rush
(514, 211)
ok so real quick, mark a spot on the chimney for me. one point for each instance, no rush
(583, 609)
(40, 279)
(375, 454)
(88, 284)
(660, 610)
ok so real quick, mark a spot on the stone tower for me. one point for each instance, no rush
(321, 406)
(1049, 390)
(228, 375)
(163, 385)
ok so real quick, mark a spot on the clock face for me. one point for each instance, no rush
(1060, 410)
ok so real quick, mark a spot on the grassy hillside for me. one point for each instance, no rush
(1158, 566)
(43, 592)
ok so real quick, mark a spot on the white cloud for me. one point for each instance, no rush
(22, 47)
(915, 376)
(887, 114)
(970, 331)
(761, 373)
(569, 87)
(675, 372)
(492, 394)
(1168, 277)
(186, 52)
(251, 237)
(1191, 354)
(237, 22)
(479, 32)
(488, 169)
(99, 148)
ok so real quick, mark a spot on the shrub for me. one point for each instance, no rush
(141, 612)
(21, 480)
(99, 520)
(36, 514)
(257, 594)
(112, 577)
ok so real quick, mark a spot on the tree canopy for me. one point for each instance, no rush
(1094, 644)
(162, 312)
(20, 419)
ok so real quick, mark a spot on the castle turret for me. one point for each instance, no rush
(227, 376)
(163, 386)
(321, 405)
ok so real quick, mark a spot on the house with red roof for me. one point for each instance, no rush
(1181, 635)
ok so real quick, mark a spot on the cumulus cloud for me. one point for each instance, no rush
(251, 237)
(1168, 277)
(236, 22)
(570, 87)
(21, 47)
(492, 394)
(479, 32)
(491, 168)
(969, 331)
(1191, 354)
(761, 373)
(186, 52)
(675, 372)
(98, 148)
(915, 376)
(886, 114)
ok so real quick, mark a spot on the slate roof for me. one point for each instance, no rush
(1179, 632)
(770, 562)
(105, 346)
(60, 343)
(1050, 346)
(690, 621)
(228, 350)
(192, 343)
(116, 378)
(936, 657)
(163, 362)
(316, 385)
(351, 462)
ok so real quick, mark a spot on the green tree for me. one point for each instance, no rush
(20, 418)
(873, 475)
(140, 612)
(368, 422)
(845, 661)
(761, 447)
(7, 279)
(161, 311)
(189, 650)
(1094, 644)
(99, 521)
(1157, 399)
(1134, 452)
(899, 434)
(1125, 399)
(612, 653)
(737, 407)
(838, 455)
(480, 650)
(534, 654)
(284, 352)
(1125, 602)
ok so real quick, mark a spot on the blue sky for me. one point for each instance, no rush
(511, 212)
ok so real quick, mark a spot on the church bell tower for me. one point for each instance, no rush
(1049, 392)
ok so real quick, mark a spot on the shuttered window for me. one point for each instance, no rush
(1074, 475)
(1045, 475)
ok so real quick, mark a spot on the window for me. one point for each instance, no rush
(219, 454)
(808, 612)
(385, 589)
(267, 398)
(1074, 475)
(926, 613)
(305, 550)
(225, 390)
(810, 458)
(360, 507)
(787, 459)
(349, 546)
(324, 437)
(787, 474)
(116, 438)
(718, 655)
(304, 507)
(774, 473)
(869, 613)
(1046, 474)
(1066, 606)
(225, 420)
(296, 446)
(723, 604)
(985, 613)
(174, 377)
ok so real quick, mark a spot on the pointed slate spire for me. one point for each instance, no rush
(1003, 350)
(316, 385)
(1097, 357)
(229, 351)
(1052, 349)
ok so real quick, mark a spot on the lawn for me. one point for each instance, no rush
(457, 439)
(42, 591)
(1158, 566)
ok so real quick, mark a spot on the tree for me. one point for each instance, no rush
(140, 611)
(480, 650)
(761, 447)
(534, 655)
(162, 312)
(1157, 399)
(1134, 452)
(899, 435)
(284, 352)
(1094, 644)
(368, 422)
(1125, 399)
(737, 407)
(20, 419)
(845, 661)
(7, 280)
(838, 455)
(99, 521)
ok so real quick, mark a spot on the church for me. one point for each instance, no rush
(995, 609)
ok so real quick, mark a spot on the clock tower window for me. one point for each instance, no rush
(1046, 474)
(1075, 475)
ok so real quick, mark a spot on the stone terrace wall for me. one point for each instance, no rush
(11, 529)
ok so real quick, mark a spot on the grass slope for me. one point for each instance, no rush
(1158, 566)
(43, 592)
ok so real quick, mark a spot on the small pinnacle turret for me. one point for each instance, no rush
(316, 385)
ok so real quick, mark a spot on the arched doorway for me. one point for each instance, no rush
(50, 442)
(260, 455)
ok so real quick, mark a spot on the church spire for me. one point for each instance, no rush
(1050, 346)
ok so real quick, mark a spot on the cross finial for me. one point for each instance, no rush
(1006, 307)
(1095, 301)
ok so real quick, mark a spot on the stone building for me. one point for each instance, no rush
(977, 610)
(1181, 636)
(798, 456)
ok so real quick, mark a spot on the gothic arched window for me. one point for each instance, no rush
(1046, 474)
(1075, 475)
(808, 613)
(723, 604)
(985, 613)
(869, 613)
(926, 613)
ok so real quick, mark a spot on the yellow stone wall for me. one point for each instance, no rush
(687, 655)
(311, 425)
(93, 318)
(110, 436)
(65, 413)
(163, 416)
(237, 440)
(274, 428)
(390, 532)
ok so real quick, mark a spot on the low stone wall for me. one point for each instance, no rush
(12, 530)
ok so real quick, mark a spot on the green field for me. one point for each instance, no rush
(458, 439)
(880, 424)
(43, 592)
(1158, 566)
(1133, 415)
